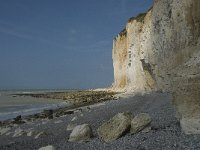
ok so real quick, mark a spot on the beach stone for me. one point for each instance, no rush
(49, 147)
(74, 118)
(78, 111)
(30, 132)
(18, 120)
(146, 130)
(140, 122)
(8, 133)
(4, 130)
(71, 126)
(15, 125)
(37, 116)
(40, 134)
(116, 97)
(19, 132)
(44, 122)
(81, 133)
(68, 112)
(48, 114)
(58, 121)
(64, 112)
(115, 127)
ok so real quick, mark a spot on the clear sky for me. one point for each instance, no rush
(61, 43)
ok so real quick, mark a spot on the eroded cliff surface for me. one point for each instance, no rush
(160, 50)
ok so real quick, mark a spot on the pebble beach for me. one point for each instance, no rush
(165, 131)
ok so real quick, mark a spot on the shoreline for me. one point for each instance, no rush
(74, 99)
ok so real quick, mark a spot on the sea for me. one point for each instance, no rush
(12, 105)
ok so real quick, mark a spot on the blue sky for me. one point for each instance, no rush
(61, 43)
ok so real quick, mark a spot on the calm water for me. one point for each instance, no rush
(11, 106)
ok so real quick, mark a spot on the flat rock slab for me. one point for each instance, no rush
(140, 122)
(81, 133)
(115, 127)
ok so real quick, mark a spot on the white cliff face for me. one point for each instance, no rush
(128, 53)
(139, 72)
(160, 50)
(120, 61)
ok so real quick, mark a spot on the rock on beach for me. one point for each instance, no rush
(81, 133)
(115, 127)
(49, 147)
(140, 122)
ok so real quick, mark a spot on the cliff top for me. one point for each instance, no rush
(123, 32)
(140, 17)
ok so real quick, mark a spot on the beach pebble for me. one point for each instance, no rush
(29, 123)
(81, 133)
(19, 132)
(146, 130)
(49, 147)
(116, 97)
(71, 126)
(18, 120)
(40, 134)
(78, 111)
(74, 118)
(58, 121)
(44, 122)
(8, 133)
(4, 130)
(30, 132)
(47, 114)
(15, 125)
(88, 109)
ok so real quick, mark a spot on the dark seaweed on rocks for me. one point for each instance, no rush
(76, 97)
(18, 120)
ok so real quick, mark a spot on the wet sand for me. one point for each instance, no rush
(12, 105)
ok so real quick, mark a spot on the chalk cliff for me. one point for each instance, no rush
(160, 50)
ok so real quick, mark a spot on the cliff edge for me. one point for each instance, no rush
(160, 50)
